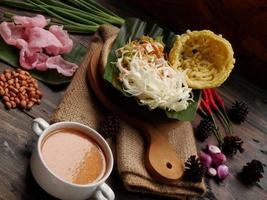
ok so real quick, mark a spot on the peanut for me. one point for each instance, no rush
(24, 83)
(21, 97)
(5, 98)
(23, 104)
(2, 77)
(8, 105)
(32, 94)
(12, 94)
(14, 105)
(11, 81)
(38, 92)
(30, 104)
(22, 77)
(30, 89)
(21, 89)
(17, 85)
(14, 90)
(18, 88)
(7, 71)
(8, 75)
(17, 100)
(2, 92)
(33, 100)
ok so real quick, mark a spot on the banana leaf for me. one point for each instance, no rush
(10, 55)
(132, 29)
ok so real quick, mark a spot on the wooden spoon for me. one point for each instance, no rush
(161, 160)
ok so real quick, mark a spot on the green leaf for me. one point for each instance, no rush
(189, 113)
(134, 29)
(10, 55)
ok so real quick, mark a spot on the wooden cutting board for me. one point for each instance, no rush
(161, 160)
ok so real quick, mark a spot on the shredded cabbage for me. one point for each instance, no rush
(149, 77)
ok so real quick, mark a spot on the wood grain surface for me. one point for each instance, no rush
(17, 139)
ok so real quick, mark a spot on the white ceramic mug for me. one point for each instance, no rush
(57, 186)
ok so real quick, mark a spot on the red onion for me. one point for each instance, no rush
(205, 159)
(212, 149)
(212, 172)
(218, 159)
(223, 172)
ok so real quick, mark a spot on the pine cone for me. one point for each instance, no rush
(238, 112)
(252, 172)
(194, 170)
(205, 129)
(109, 126)
(231, 144)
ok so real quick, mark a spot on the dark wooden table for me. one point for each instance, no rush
(16, 138)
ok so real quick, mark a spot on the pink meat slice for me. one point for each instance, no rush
(62, 66)
(41, 64)
(35, 43)
(13, 34)
(41, 38)
(37, 21)
(33, 58)
(63, 37)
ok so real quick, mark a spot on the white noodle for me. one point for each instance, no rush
(155, 84)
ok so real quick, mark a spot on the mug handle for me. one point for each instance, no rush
(39, 125)
(104, 192)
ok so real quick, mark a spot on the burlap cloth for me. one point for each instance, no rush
(79, 104)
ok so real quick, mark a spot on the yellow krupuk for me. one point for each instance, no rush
(207, 58)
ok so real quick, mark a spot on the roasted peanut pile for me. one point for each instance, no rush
(19, 89)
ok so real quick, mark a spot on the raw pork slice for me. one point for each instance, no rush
(41, 38)
(37, 21)
(32, 59)
(63, 37)
(12, 34)
(35, 43)
(63, 67)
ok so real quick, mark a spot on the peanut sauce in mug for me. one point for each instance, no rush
(73, 156)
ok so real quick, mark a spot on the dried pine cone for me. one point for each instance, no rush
(232, 144)
(205, 129)
(238, 112)
(252, 172)
(110, 126)
(194, 170)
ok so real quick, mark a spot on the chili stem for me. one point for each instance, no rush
(223, 121)
(217, 133)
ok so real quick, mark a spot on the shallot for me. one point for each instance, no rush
(205, 159)
(222, 172)
(212, 149)
(218, 159)
(212, 172)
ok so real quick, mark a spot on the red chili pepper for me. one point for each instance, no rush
(212, 102)
(205, 95)
(217, 98)
(206, 107)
